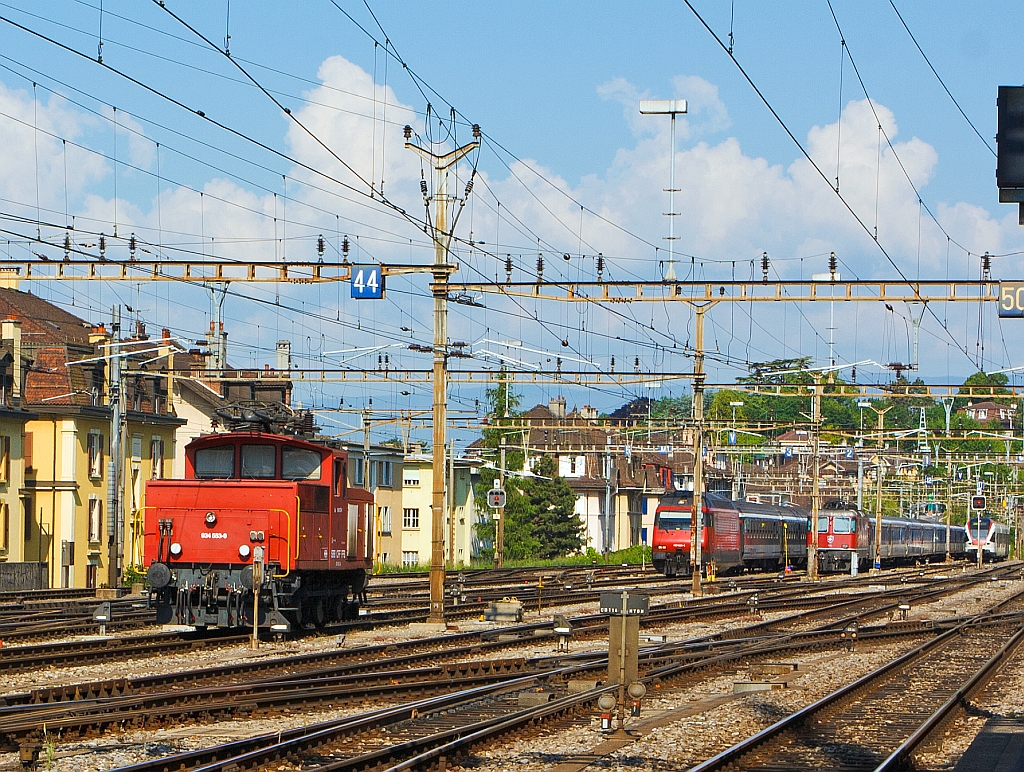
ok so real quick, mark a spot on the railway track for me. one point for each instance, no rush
(327, 678)
(778, 596)
(397, 599)
(880, 720)
(422, 734)
(773, 595)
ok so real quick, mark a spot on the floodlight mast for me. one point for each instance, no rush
(670, 107)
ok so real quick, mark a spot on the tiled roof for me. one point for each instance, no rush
(52, 382)
(42, 323)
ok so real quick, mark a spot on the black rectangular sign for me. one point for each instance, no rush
(611, 603)
(1010, 137)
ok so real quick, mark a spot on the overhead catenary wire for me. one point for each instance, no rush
(713, 261)
(817, 168)
(214, 122)
(941, 81)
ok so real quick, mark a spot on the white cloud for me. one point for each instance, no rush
(37, 163)
(732, 207)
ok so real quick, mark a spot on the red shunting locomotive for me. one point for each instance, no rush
(251, 493)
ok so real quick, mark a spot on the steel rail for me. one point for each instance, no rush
(225, 757)
(898, 757)
(730, 758)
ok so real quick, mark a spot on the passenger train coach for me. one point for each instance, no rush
(743, 535)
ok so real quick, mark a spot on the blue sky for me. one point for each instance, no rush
(555, 85)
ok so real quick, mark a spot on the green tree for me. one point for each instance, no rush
(540, 516)
(996, 381)
(555, 525)
(502, 414)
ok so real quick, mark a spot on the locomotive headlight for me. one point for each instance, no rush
(175, 549)
(211, 518)
(244, 551)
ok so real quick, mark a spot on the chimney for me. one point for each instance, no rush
(557, 407)
(9, 278)
(10, 329)
(165, 334)
(284, 356)
(98, 334)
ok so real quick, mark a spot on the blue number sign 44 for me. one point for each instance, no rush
(367, 282)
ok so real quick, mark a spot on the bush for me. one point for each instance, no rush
(630, 556)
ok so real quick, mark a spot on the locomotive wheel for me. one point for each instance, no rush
(340, 603)
(318, 612)
(302, 614)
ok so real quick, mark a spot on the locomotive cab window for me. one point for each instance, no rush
(300, 464)
(842, 524)
(670, 523)
(259, 462)
(822, 524)
(215, 463)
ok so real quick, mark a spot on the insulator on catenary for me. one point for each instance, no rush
(764, 266)
(67, 246)
(407, 131)
(636, 364)
(600, 265)
(344, 246)
(613, 364)
(469, 188)
(986, 264)
(423, 187)
(832, 263)
(320, 245)
(540, 267)
(103, 244)
(476, 131)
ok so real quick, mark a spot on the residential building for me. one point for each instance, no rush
(66, 493)
(597, 460)
(379, 469)
(988, 412)
(460, 505)
(14, 506)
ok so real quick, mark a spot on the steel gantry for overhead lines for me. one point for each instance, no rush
(701, 296)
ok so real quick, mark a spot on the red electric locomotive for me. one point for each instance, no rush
(736, 535)
(843, 532)
(251, 494)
